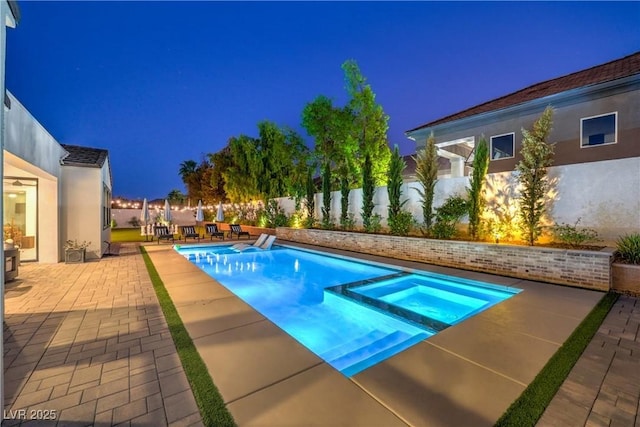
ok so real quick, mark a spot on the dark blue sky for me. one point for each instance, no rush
(157, 83)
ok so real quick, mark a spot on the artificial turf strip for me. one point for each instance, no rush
(528, 408)
(212, 407)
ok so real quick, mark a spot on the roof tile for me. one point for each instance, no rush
(613, 70)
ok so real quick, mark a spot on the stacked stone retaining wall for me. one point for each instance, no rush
(580, 268)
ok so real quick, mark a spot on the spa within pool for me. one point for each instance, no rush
(350, 313)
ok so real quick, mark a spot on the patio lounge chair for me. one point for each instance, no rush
(162, 233)
(189, 231)
(264, 247)
(237, 230)
(259, 241)
(212, 231)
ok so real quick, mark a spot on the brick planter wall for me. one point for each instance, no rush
(585, 269)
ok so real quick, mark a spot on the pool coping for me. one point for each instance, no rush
(466, 375)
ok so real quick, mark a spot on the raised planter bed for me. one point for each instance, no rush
(625, 278)
(580, 268)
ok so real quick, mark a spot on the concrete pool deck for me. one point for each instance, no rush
(466, 375)
(61, 317)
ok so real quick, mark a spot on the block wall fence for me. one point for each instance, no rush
(603, 195)
(584, 269)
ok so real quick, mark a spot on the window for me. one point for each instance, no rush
(598, 130)
(106, 207)
(503, 146)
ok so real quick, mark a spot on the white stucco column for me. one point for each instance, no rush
(457, 167)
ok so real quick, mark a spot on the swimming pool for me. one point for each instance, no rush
(350, 313)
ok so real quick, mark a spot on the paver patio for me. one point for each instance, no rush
(89, 341)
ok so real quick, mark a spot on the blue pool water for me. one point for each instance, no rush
(349, 313)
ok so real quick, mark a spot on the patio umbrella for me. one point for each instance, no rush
(145, 217)
(220, 214)
(199, 213)
(167, 211)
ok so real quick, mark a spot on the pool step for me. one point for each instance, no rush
(382, 355)
(372, 349)
(351, 345)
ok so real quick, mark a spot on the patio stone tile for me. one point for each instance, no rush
(56, 380)
(319, 396)
(143, 377)
(146, 389)
(154, 418)
(430, 387)
(155, 402)
(175, 383)
(25, 400)
(83, 413)
(238, 369)
(190, 420)
(129, 411)
(180, 406)
(85, 375)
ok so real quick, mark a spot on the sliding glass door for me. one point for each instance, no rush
(20, 224)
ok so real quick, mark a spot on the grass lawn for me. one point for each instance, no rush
(126, 235)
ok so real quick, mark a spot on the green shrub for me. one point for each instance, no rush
(401, 224)
(628, 248)
(375, 224)
(114, 224)
(572, 235)
(275, 215)
(443, 230)
(309, 222)
(448, 216)
(348, 223)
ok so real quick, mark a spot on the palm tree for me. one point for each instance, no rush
(186, 172)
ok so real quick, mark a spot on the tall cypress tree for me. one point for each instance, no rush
(310, 196)
(427, 174)
(368, 189)
(326, 195)
(537, 155)
(476, 199)
(394, 185)
(344, 201)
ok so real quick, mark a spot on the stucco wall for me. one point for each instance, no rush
(585, 269)
(603, 194)
(81, 205)
(29, 140)
(569, 108)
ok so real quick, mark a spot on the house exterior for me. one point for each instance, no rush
(86, 197)
(9, 17)
(596, 131)
(52, 192)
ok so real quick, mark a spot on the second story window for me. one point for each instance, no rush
(598, 130)
(503, 146)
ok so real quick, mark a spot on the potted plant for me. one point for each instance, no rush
(74, 251)
(626, 267)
